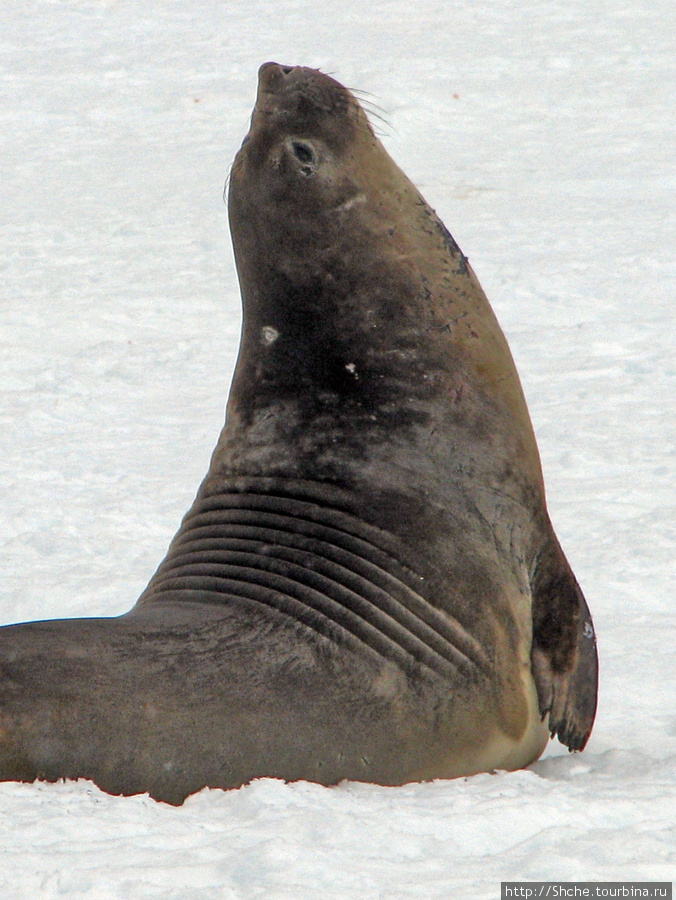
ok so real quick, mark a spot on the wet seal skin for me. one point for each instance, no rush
(368, 585)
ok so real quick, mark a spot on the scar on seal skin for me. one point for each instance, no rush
(368, 585)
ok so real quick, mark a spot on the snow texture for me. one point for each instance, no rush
(543, 134)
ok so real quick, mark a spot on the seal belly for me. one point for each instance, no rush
(176, 696)
(323, 566)
(354, 605)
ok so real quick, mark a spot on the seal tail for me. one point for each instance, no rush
(563, 656)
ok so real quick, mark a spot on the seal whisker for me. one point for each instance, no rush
(373, 110)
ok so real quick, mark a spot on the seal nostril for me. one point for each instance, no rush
(286, 69)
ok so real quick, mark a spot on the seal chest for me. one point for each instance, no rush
(367, 585)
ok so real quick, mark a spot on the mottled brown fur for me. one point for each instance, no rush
(367, 585)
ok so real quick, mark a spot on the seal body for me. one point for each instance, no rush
(368, 585)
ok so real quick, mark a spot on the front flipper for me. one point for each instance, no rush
(563, 655)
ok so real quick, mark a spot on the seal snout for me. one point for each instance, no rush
(272, 75)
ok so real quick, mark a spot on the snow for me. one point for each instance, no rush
(544, 136)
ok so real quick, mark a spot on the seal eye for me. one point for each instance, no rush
(303, 152)
(305, 155)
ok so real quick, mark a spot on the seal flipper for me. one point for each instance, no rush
(563, 655)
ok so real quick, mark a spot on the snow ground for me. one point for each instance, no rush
(544, 136)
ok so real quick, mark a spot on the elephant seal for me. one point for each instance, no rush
(367, 585)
